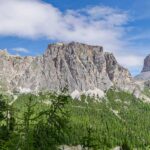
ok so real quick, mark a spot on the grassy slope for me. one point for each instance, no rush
(119, 118)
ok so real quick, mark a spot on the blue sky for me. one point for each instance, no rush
(120, 26)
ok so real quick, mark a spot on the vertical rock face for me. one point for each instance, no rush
(146, 66)
(119, 76)
(78, 66)
(145, 73)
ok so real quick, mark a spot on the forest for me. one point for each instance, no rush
(49, 121)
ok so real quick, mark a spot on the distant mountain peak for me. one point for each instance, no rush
(145, 73)
(146, 66)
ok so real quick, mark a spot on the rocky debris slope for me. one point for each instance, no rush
(79, 66)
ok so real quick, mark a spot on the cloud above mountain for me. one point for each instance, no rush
(20, 50)
(98, 25)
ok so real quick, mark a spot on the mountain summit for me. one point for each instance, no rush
(146, 66)
(75, 65)
(145, 73)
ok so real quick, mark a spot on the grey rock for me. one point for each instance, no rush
(117, 148)
(143, 76)
(78, 66)
(65, 147)
(146, 66)
(145, 73)
(143, 79)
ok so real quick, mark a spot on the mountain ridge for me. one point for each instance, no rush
(76, 65)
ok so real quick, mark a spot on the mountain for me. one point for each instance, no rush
(75, 65)
(145, 73)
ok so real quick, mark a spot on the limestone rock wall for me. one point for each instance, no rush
(78, 66)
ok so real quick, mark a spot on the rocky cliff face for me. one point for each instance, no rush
(145, 73)
(143, 79)
(146, 66)
(78, 66)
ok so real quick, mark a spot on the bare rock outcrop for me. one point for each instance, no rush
(78, 66)
(145, 73)
(143, 79)
(146, 66)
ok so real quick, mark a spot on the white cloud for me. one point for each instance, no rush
(98, 25)
(32, 19)
(21, 49)
(130, 61)
(110, 15)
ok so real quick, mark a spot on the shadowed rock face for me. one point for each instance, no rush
(78, 66)
(145, 73)
(146, 66)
